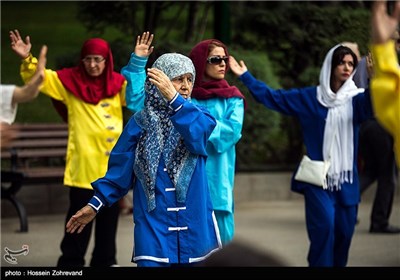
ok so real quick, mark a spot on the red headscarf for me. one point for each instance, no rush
(85, 87)
(214, 88)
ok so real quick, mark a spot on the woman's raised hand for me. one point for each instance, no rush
(21, 48)
(237, 69)
(383, 23)
(143, 46)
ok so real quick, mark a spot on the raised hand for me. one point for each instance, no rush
(21, 48)
(143, 46)
(383, 23)
(237, 69)
(31, 90)
(39, 75)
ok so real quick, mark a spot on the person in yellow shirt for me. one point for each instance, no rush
(93, 94)
(385, 84)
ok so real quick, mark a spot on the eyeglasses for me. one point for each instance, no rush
(217, 59)
(96, 59)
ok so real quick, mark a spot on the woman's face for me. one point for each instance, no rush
(216, 67)
(94, 65)
(183, 84)
(344, 69)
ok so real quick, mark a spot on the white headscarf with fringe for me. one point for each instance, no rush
(338, 142)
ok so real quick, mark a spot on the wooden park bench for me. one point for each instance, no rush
(36, 156)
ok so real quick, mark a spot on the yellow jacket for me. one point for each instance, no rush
(92, 129)
(385, 90)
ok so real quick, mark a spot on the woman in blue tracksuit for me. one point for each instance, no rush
(161, 154)
(329, 115)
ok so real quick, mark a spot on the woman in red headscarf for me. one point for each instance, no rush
(93, 95)
(226, 103)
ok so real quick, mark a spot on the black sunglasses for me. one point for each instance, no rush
(217, 59)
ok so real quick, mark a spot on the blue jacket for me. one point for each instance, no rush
(302, 103)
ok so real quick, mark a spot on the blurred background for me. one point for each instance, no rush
(282, 42)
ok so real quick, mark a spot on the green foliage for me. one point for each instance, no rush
(297, 35)
(96, 16)
(282, 42)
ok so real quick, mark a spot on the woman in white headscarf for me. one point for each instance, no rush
(161, 154)
(330, 115)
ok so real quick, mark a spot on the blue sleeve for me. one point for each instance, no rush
(194, 123)
(135, 74)
(362, 105)
(289, 102)
(119, 178)
(229, 128)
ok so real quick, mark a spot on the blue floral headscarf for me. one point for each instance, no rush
(159, 136)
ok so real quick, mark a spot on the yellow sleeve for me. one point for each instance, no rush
(385, 90)
(51, 86)
(28, 68)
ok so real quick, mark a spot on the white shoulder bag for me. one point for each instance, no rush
(314, 171)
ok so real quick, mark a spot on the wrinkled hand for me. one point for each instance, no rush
(162, 82)
(81, 219)
(237, 69)
(143, 46)
(383, 24)
(21, 48)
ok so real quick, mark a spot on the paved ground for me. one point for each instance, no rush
(277, 227)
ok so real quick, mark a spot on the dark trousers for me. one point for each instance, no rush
(74, 246)
(378, 164)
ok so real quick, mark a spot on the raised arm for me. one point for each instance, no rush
(383, 23)
(143, 47)
(385, 83)
(31, 90)
(134, 72)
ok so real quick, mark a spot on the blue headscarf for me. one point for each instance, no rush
(159, 136)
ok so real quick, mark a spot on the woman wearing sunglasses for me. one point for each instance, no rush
(226, 103)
